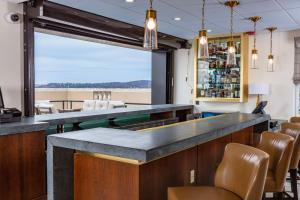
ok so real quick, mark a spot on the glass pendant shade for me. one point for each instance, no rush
(203, 45)
(254, 58)
(270, 63)
(231, 55)
(150, 35)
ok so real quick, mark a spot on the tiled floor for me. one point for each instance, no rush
(288, 188)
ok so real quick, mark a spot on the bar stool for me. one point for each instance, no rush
(240, 176)
(280, 148)
(293, 130)
(296, 120)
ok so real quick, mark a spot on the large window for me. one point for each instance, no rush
(71, 74)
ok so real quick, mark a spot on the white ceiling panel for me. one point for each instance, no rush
(288, 4)
(285, 14)
(295, 14)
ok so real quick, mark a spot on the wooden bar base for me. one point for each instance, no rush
(22, 166)
(99, 178)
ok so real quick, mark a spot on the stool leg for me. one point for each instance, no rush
(264, 196)
(293, 174)
(279, 196)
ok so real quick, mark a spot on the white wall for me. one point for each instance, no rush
(282, 97)
(11, 57)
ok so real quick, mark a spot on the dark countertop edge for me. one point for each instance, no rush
(17, 128)
(169, 149)
(122, 152)
(99, 116)
(156, 153)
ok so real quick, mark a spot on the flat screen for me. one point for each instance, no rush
(1, 100)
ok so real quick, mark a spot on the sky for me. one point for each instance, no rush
(62, 60)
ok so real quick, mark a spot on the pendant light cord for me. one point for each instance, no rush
(151, 2)
(271, 46)
(254, 35)
(203, 15)
(231, 24)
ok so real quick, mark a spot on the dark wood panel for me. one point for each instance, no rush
(182, 114)
(244, 136)
(10, 167)
(210, 154)
(97, 178)
(22, 166)
(174, 170)
(164, 115)
(34, 165)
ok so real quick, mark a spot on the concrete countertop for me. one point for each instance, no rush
(76, 117)
(42, 122)
(154, 143)
(24, 126)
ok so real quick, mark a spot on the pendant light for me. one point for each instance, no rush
(150, 35)
(270, 67)
(203, 42)
(231, 56)
(254, 55)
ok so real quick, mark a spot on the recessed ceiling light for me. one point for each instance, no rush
(209, 30)
(129, 1)
(177, 18)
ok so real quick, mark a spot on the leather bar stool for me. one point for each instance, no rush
(296, 120)
(280, 148)
(240, 176)
(293, 130)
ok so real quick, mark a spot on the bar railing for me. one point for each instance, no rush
(68, 104)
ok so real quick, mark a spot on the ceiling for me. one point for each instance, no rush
(285, 14)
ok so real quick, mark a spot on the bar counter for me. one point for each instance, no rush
(147, 161)
(23, 145)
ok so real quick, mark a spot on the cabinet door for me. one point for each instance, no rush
(244, 136)
(34, 165)
(10, 167)
(22, 166)
(210, 155)
(99, 178)
(170, 171)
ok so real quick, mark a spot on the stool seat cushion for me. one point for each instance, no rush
(200, 193)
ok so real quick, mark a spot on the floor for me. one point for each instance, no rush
(288, 189)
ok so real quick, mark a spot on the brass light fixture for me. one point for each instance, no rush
(231, 56)
(203, 42)
(150, 35)
(254, 55)
(270, 67)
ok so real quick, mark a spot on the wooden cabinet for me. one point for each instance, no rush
(244, 136)
(98, 178)
(23, 166)
(210, 154)
(101, 178)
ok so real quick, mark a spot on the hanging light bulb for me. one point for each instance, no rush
(270, 67)
(203, 42)
(150, 35)
(231, 54)
(254, 52)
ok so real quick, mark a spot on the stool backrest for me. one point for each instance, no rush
(293, 130)
(295, 120)
(243, 171)
(280, 148)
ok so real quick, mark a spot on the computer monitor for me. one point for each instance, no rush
(1, 100)
(260, 108)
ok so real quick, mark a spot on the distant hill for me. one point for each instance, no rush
(131, 84)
